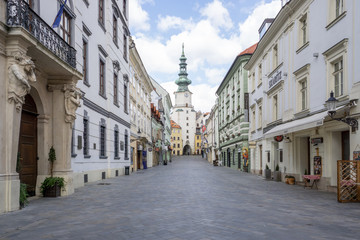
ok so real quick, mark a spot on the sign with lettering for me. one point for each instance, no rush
(273, 81)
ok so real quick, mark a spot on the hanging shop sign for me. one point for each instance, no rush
(150, 149)
(245, 154)
(316, 140)
(279, 138)
(317, 165)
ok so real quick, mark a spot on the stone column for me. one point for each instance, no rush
(65, 101)
(17, 72)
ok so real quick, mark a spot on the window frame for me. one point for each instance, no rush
(65, 22)
(102, 139)
(102, 80)
(85, 58)
(116, 89)
(115, 30)
(101, 12)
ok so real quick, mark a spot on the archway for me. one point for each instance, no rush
(187, 150)
(27, 153)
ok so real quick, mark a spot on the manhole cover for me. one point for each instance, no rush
(104, 183)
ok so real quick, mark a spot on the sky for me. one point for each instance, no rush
(214, 32)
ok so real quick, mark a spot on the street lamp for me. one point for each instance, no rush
(331, 107)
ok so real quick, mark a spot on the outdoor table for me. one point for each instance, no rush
(314, 178)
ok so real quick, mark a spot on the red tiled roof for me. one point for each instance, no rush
(249, 50)
(174, 124)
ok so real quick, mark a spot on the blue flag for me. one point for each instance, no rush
(58, 16)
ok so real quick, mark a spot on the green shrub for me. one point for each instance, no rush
(50, 182)
(23, 195)
(266, 167)
(277, 167)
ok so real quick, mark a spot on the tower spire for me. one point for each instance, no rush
(183, 80)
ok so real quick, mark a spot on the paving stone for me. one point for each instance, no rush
(187, 199)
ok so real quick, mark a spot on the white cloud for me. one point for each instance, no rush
(203, 97)
(207, 49)
(249, 28)
(139, 19)
(172, 22)
(215, 75)
(217, 14)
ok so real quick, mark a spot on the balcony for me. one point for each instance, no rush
(19, 14)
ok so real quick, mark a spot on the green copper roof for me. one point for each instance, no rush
(183, 82)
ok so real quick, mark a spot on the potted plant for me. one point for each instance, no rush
(51, 186)
(277, 173)
(267, 172)
(290, 179)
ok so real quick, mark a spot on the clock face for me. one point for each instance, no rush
(186, 95)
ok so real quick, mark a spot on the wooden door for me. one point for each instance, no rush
(260, 151)
(28, 145)
(138, 160)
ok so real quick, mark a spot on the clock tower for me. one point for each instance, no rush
(183, 111)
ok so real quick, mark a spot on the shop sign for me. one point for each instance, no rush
(273, 81)
(316, 140)
(279, 138)
(150, 149)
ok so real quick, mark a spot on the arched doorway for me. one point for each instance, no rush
(187, 150)
(27, 164)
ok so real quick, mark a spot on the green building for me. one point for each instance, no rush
(233, 108)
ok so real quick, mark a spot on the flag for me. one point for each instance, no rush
(58, 16)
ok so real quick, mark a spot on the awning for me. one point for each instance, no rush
(298, 125)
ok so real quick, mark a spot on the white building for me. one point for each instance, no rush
(309, 50)
(140, 96)
(183, 111)
(165, 108)
(101, 134)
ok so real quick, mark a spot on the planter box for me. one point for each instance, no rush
(54, 191)
(268, 174)
(277, 176)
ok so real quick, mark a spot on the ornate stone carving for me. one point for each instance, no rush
(21, 74)
(72, 102)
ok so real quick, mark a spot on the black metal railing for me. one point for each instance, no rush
(20, 14)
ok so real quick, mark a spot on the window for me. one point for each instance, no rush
(303, 93)
(101, 12)
(338, 77)
(187, 118)
(102, 139)
(86, 135)
(85, 62)
(187, 131)
(102, 78)
(116, 142)
(260, 117)
(197, 137)
(275, 107)
(73, 154)
(336, 68)
(187, 111)
(253, 120)
(174, 145)
(65, 27)
(124, 7)
(260, 74)
(303, 30)
(125, 99)
(126, 145)
(178, 138)
(339, 8)
(187, 137)
(115, 30)
(197, 144)
(116, 100)
(125, 47)
(253, 81)
(178, 145)
(275, 56)
(187, 124)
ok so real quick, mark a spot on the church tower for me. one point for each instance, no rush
(183, 111)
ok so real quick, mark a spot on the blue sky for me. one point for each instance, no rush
(214, 33)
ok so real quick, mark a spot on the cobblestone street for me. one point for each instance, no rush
(187, 199)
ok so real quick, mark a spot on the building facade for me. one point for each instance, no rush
(164, 109)
(101, 134)
(233, 113)
(176, 139)
(183, 111)
(36, 77)
(293, 71)
(140, 97)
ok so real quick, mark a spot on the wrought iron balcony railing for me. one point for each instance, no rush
(20, 14)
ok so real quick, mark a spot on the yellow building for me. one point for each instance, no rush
(176, 139)
(197, 142)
